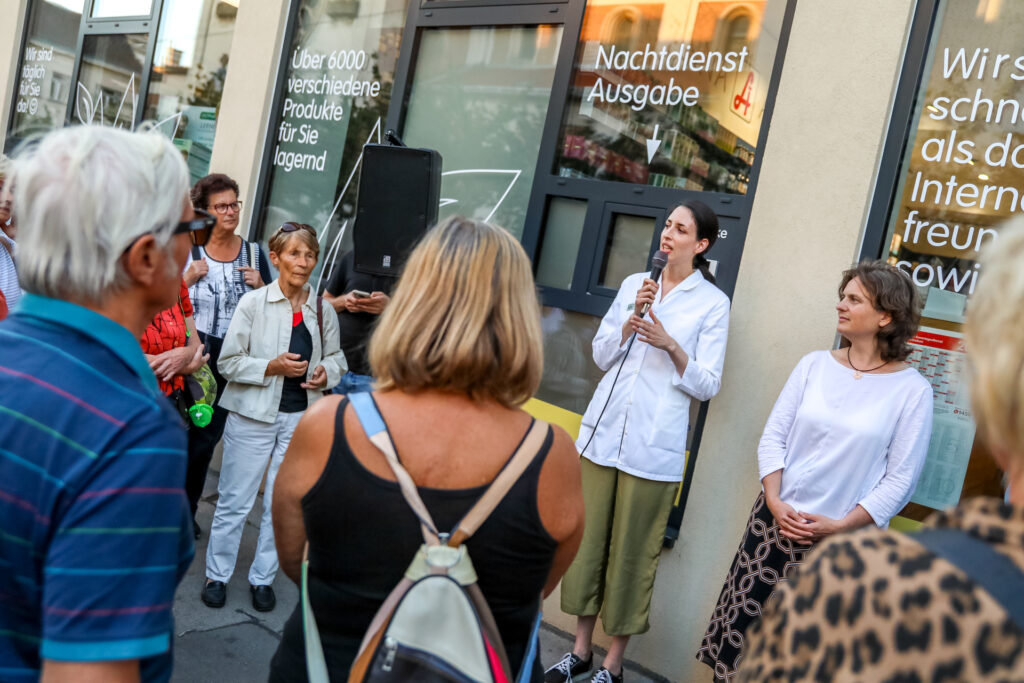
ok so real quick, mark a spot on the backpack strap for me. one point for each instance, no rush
(373, 424)
(320, 327)
(195, 253)
(316, 664)
(377, 431)
(991, 570)
(320, 322)
(509, 475)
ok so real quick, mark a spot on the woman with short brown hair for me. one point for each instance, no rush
(280, 353)
(842, 449)
(456, 354)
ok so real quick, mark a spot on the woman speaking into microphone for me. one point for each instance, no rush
(661, 344)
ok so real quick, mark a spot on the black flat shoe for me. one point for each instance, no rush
(263, 598)
(215, 594)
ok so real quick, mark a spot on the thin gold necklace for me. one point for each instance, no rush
(858, 373)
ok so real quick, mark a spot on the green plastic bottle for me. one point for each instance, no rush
(204, 390)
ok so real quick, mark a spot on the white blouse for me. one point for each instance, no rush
(842, 442)
(643, 430)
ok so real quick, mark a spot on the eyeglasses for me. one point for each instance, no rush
(293, 227)
(224, 208)
(199, 228)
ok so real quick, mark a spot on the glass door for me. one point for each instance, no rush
(109, 79)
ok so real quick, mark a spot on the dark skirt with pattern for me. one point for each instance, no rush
(764, 559)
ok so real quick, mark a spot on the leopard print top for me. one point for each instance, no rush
(875, 606)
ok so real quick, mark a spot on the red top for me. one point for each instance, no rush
(166, 332)
(296, 318)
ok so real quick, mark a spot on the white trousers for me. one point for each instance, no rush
(248, 445)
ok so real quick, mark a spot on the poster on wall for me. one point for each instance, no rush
(939, 356)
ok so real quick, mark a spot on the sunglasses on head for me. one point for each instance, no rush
(199, 228)
(294, 227)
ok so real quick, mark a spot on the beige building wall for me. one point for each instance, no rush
(818, 172)
(13, 13)
(248, 91)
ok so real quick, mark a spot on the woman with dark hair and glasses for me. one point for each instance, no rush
(280, 353)
(842, 449)
(633, 436)
(217, 274)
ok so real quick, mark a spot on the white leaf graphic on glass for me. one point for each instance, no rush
(446, 201)
(87, 106)
(83, 106)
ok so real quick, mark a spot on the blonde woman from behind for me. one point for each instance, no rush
(456, 354)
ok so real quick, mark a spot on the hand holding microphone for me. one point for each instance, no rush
(645, 297)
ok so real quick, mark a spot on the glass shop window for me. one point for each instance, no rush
(670, 94)
(186, 83)
(43, 85)
(480, 97)
(960, 177)
(110, 79)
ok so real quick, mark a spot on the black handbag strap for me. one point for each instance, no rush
(320, 326)
(992, 571)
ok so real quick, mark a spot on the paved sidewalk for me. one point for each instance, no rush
(235, 642)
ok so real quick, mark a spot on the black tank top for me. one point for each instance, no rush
(362, 537)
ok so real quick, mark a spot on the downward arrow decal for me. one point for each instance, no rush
(653, 143)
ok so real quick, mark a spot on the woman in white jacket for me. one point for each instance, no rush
(633, 436)
(279, 355)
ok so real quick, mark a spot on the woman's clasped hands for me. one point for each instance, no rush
(802, 527)
(289, 365)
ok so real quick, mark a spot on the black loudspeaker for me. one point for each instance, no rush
(399, 193)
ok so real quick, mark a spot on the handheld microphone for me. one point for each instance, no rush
(658, 263)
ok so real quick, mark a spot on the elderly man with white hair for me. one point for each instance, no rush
(95, 531)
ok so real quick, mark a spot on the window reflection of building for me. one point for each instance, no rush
(622, 26)
(187, 79)
(736, 31)
(51, 26)
(109, 79)
(709, 146)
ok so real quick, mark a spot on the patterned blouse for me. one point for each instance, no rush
(876, 606)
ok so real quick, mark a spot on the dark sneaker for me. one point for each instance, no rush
(214, 594)
(603, 675)
(263, 598)
(569, 669)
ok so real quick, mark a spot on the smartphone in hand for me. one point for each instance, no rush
(359, 294)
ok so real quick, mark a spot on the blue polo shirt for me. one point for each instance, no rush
(95, 531)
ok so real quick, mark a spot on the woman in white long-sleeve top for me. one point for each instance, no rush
(280, 353)
(633, 436)
(843, 448)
